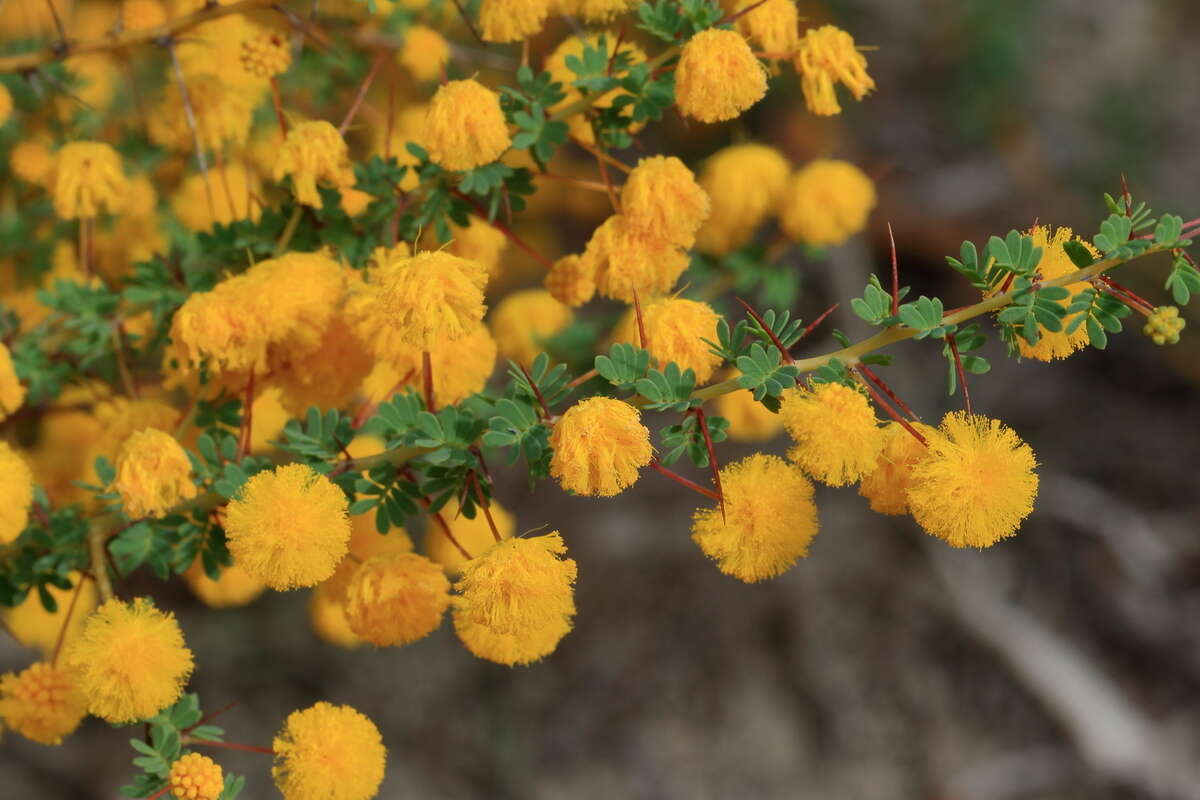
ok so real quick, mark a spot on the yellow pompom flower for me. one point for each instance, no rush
(768, 521)
(33, 626)
(266, 53)
(153, 474)
(327, 613)
(232, 190)
(396, 598)
(433, 298)
(365, 543)
(328, 752)
(314, 152)
(424, 52)
(774, 25)
(675, 330)
(595, 11)
(130, 660)
(16, 493)
(1164, 325)
(474, 534)
(599, 446)
(288, 527)
(749, 420)
(661, 195)
(196, 777)
(140, 15)
(232, 589)
(326, 377)
(464, 126)
(12, 393)
(570, 282)
(42, 703)
(826, 202)
(32, 161)
(88, 180)
(976, 483)
(836, 434)
(886, 486)
(746, 183)
(827, 56)
(515, 602)
(6, 104)
(512, 20)
(460, 368)
(624, 259)
(523, 321)
(223, 114)
(718, 76)
(1055, 263)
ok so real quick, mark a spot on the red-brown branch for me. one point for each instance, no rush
(427, 379)
(702, 420)
(895, 398)
(536, 391)
(813, 325)
(891, 412)
(895, 274)
(682, 481)
(362, 93)
(643, 342)
(962, 375)
(787, 357)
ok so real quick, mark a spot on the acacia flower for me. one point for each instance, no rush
(16, 493)
(746, 183)
(624, 259)
(774, 25)
(718, 76)
(599, 446)
(580, 125)
(233, 588)
(12, 393)
(231, 189)
(314, 152)
(395, 598)
(1164, 325)
(473, 533)
(512, 20)
(6, 104)
(196, 777)
(32, 161)
(570, 282)
(479, 241)
(767, 522)
(836, 434)
(886, 486)
(661, 195)
(597, 10)
(222, 113)
(153, 474)
(88, 179)
(826, 56)
(266, 53)
(675, 331)
(749, 420)
(424, 52)
(130, 660)
(515, 602)
(140, 15)
(328, 752)
(433, 297)
(524, 321)
(826, 202)
(327, 613)
(976, 483)
(464, 126)
(288, 527)
(42, 703)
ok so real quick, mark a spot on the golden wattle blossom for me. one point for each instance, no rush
(196, 777)
(464, 126)
(512, 20)
(153, 474)
(746, 183)
(328, 752)
(16, 493)
(524, 321)
(827, 56)
(826, 202)
(314, 153)
(432, 298)
(43, 703)
(837, 437)
(718, 76)
(396, 597)
(88, 181)
(266, 54)
(12, 392)
(675, 331)
(886, 486)
(570, 281)
(661, 196)
(600, 444)
(1164, 325)
(424, 53)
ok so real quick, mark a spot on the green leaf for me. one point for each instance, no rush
(623, 365)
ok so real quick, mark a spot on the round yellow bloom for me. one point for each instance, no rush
(514, 603)
(749, 420)
(599, 446)
(746, 183)
(523, 322)
(826, 203)
(975, 484)
(774, 25)
(6, 104)
(624, 259)
(328, 752)
(424, 53)
(32, 625)
(232, 589)
(1164, 325)
(32, 161)
(675, 328)
(460, 369)
(223, 114)
(139, 15)
(314, 152)
(479, 242)
(130, 660)
(768, 521)
(266, 54)
(288, 527)
(886, 486)
(232, 190)
(826, 56)
(570, 282)
(88, 180)
(718, 76)
(42, 703)
(597, 10)
(512, 20)
(153, 474)
(326, 377)
(475, 535)
(12, 393)
(661, 195)
(196, 777)
(433, 298)
(396, 598)
(328, 616)
(365, 542)
(464, 126)
(579, 125)
(16, 493)
(837, 438)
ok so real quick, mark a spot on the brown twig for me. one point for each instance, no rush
(787, 357)
(643, 341)
(962, 375)
(734, 16)
(427, 379)
(361, 94)
(891, 412)
(190, 116)
(582, 379)
(66, 623)
(682, 481)
(895, 274)
(895, 398)
(536, 391)
(466, 18)
(702, 421)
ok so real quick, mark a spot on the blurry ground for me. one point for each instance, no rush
(1062, 664)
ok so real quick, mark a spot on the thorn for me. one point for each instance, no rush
(637, 310)
(895, 274)
(962, 375)
(787, 357)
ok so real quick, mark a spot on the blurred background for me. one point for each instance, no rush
(1063, 663)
